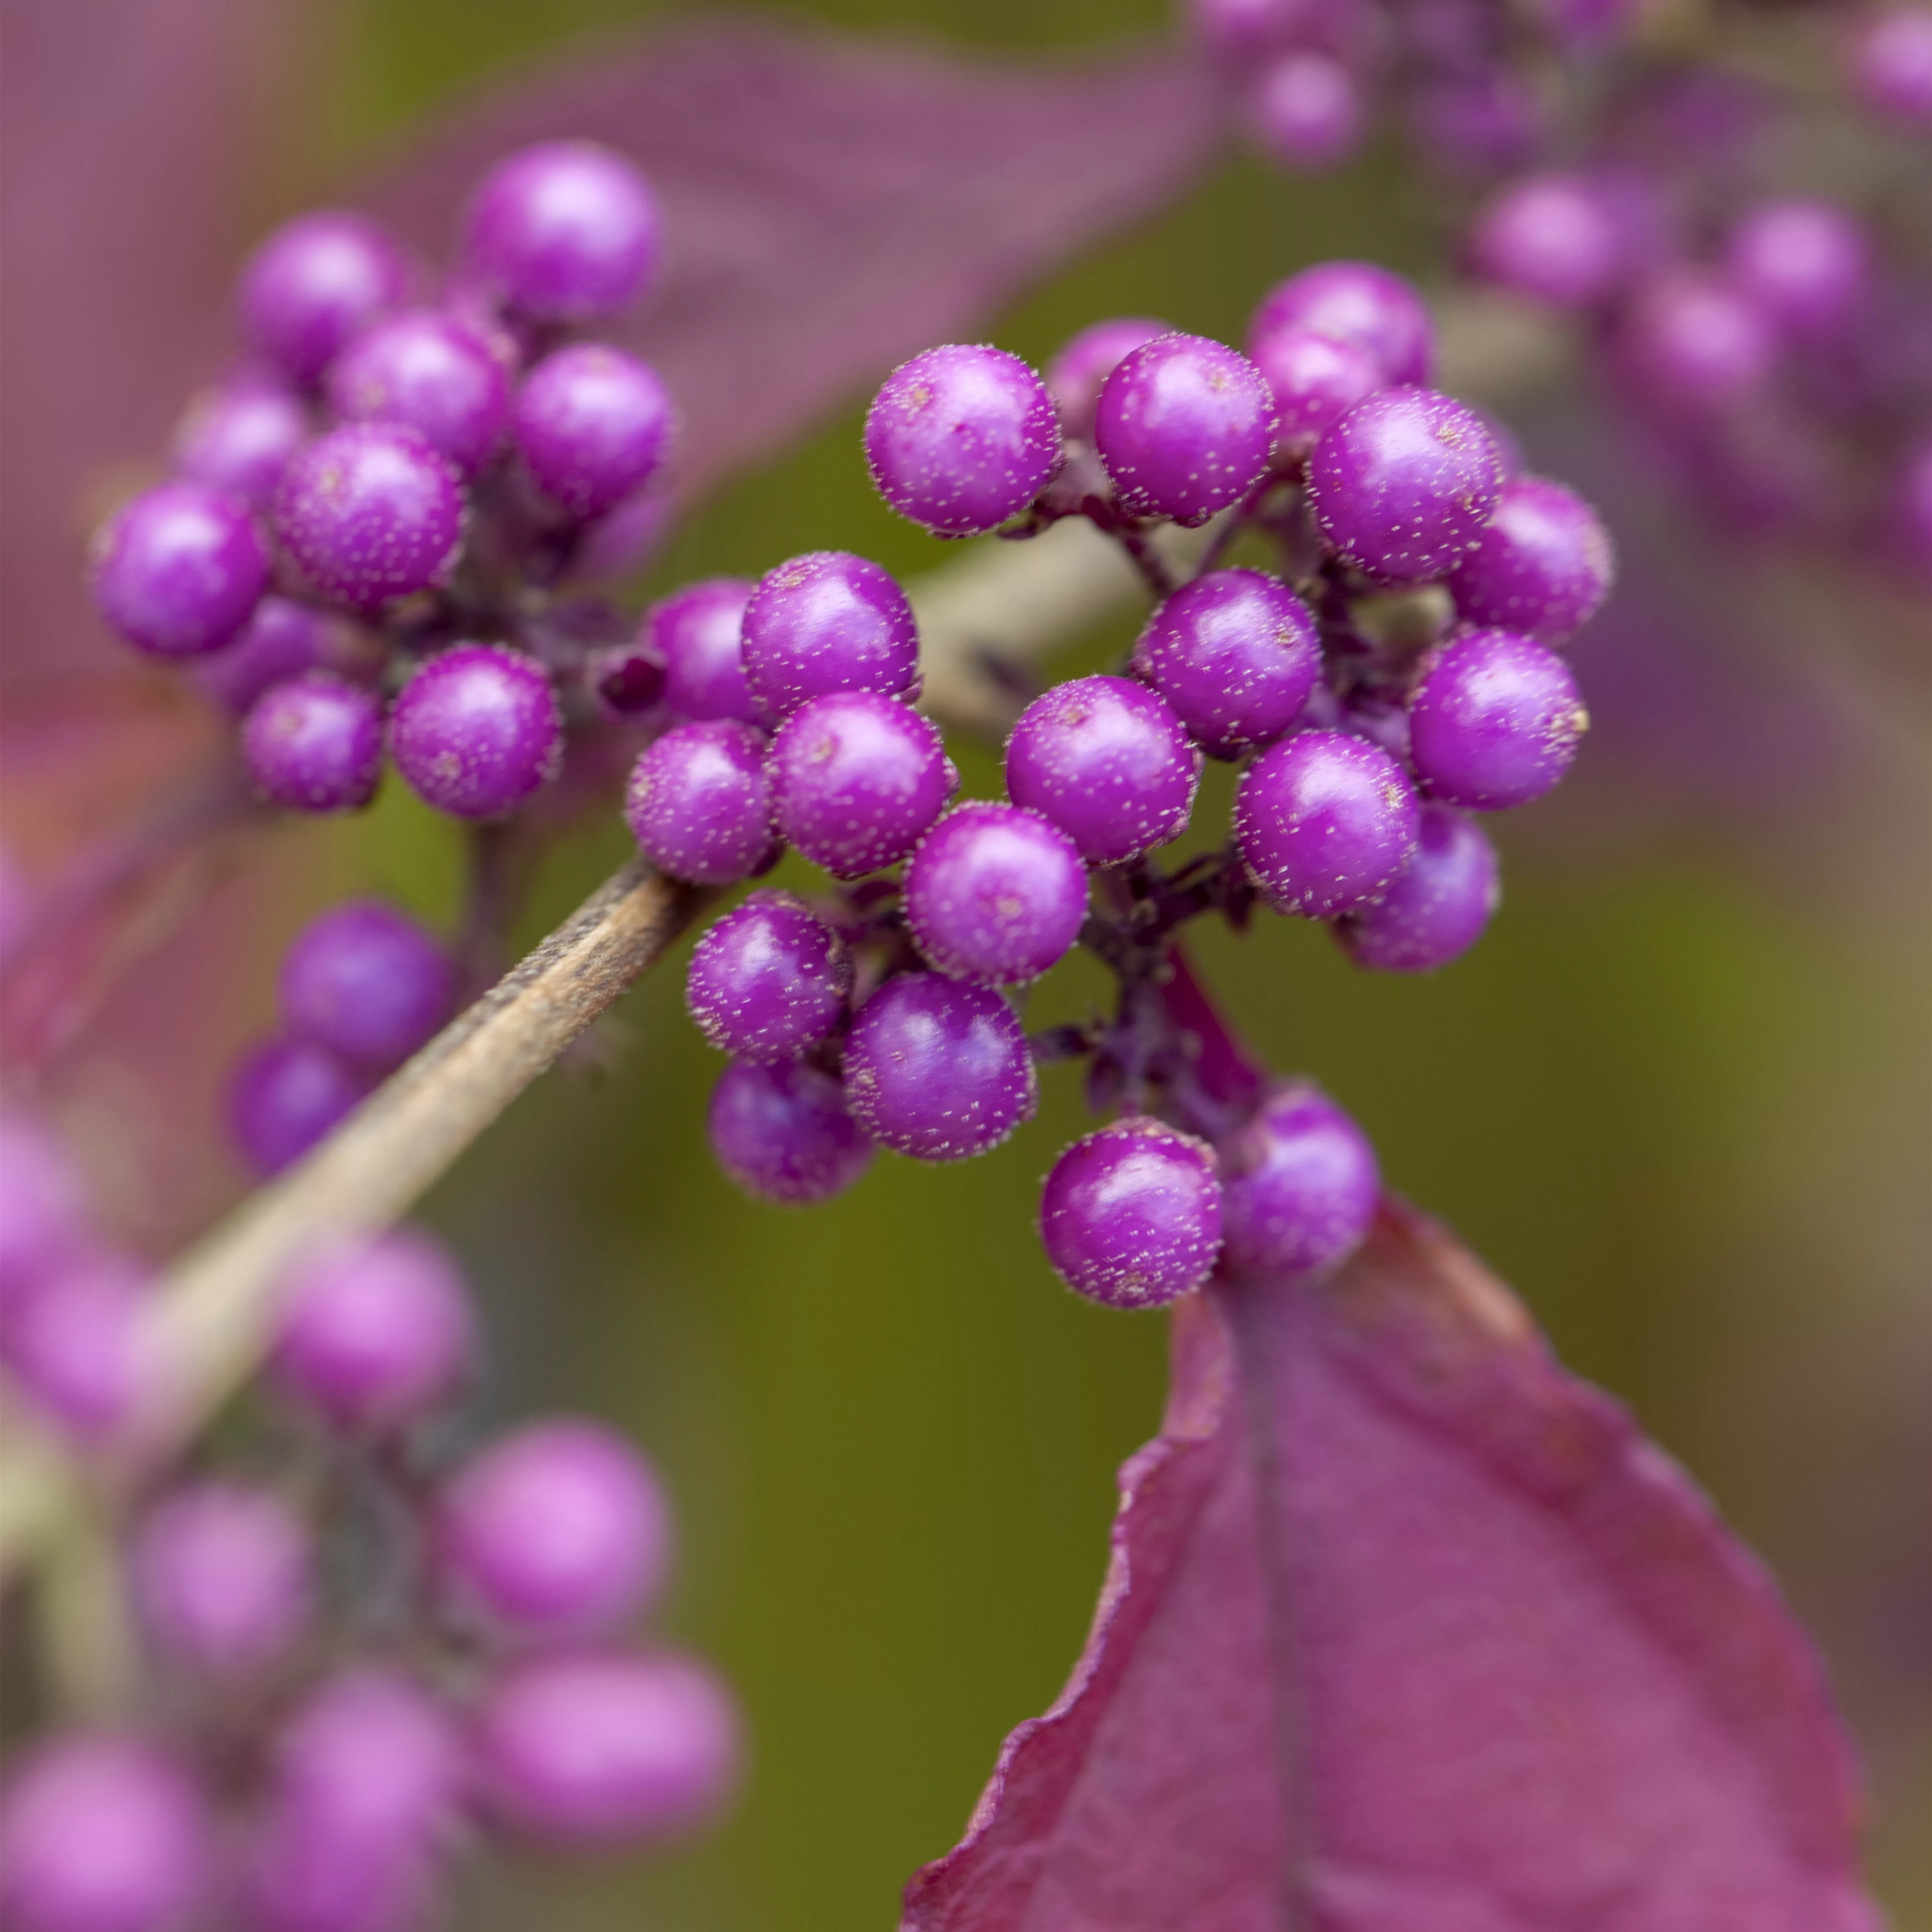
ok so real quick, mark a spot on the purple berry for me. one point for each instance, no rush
(1404, 484)
(827, 621)
(621, 542)
(476, 730)
(961, 438)
(1438, 906)
(1236, 654)
(1323, 821)
(315, 285)
(628, 680)
(1891, 62)
(314, 743)
(1804, 263)
(698, 631)
(1085, 361)
(782, 1133)
(42, 1207)
(370, 513)
(1307, 111)
(1312, 379)
(937, 1069)
(1109, 762)
(592, 424)
(995, 894)
(369, 981)
(565, 232)
(78, 1341)
(1185, 427)
(178, 571)
(1551, 238)
(221, 1573)
(102, 1832)
(238, 436)
(1131, 1216)
(558, 1530)
(1495, 720)
(1544, 565)
(1299, 1186)
(375, 1332)
(285, 1096)
(1358, 302)
(587, 1751)
(699, 803)
(282, 640)
(769, 979)
(1243, 26)
(857, 779)
(428, 372)
(1692, 342)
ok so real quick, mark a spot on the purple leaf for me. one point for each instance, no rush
(1408, 1630)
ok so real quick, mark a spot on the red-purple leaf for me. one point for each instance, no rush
(1408, 1630)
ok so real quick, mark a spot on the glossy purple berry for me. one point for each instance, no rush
(79, 1344)
(429, 372)
(782, 1132)
(1313, 379)
(1552, 238)
(1437, 907)
(238, 437)
(961, 438)
(476, 730)
(1804, 262)
(370, 513)
(282, 640)
(221, 1572)
(1085, 361)
(698, 632)
(1495, 720)
(699, 803)
(1300, 1184)
(857, 779)
(1307, 111)
(588, 1751)
(566, 231)
(369, 981)
(1693, 343)
(1358, 302)
(1403, 485)
(1185, 427)
(1236, 654)
(315, 285)
(558, 1530)
(826, 622)
(1891, 64)
(286, 1095)
(1544, 565)
(995, 894)
(592, 424)
(178, 571)
(314, 743)
(1324, 821)
(1131, 1216)
(1108, 762)
(374, 1332)
(44, 1221)
(769, 979)
(102, 1832)
(937, 1069)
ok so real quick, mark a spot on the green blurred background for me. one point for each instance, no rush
(1678, 1099)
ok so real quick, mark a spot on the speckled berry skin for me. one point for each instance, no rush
(699, 805)
(769, 979)
(314, 743)
(1324, 821)
(426, 372)
(938, 1070)
(592, 424)
(1404, 484)
(369, 981)
(782, 1132)
(314, 285)
(995, 894)
(1185, 427)
(282, 640)
(1108, 762)
(1494, 721)
(828, 621)
(1313, 379)
(178, 571)
(284, 1096)
(1300, 1185)
(1131, 1216)
(1544, 565)
(857, 779)
(1236, 654)
(1552, 238)
(370, 513)
(698, 632)
(476, 730)
(961, 438)
(1085, 361)
(1357, 302)
(238, 437)
(1438, 905)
